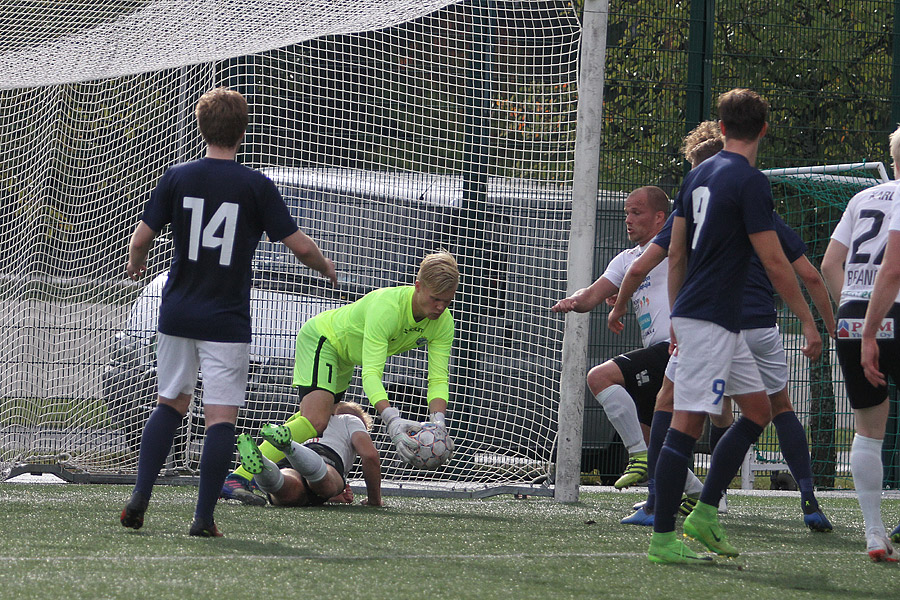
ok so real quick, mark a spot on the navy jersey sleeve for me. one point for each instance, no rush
(791, 243)
(757, 206)
(664, 236)
(158, 210)
(276, 218)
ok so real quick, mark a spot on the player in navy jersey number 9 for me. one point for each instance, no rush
(218, 211)
(723, 213)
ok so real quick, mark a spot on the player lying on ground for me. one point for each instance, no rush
(862, 266)
(318, 469)
(382, 323)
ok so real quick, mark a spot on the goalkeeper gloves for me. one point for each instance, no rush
(438, 419)
(398, 430)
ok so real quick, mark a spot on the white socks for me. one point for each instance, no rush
(622, 413)
(271, 479)
(867, 469)
(309, 464)
(692, 485)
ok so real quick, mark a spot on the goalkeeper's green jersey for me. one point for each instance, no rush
(381, 324)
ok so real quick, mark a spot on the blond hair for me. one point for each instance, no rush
(895, 147)
(352, 408)
(703, 141)
(439, 272)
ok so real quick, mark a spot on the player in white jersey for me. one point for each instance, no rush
(316, 471)
(626, 385)
(862, 266)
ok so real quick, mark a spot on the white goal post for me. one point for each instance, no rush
(392, 127)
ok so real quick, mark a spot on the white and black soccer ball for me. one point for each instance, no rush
(435, 447)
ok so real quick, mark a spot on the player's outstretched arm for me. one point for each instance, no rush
(138, 249)
(887, 286)
(588, 298)
(815, 285)
(635, 275)
(307, 252)
(783, 279)
(371, 466)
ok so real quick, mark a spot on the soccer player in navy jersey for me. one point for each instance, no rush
(862, 266)
(723, 213)
(764, 340)
(218, 211)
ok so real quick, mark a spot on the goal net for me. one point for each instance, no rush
(392, 127)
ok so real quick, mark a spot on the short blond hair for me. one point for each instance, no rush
(703, 141)
(895, 146)
(439, 272)
(352, 408)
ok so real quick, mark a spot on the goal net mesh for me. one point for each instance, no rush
(393, 129)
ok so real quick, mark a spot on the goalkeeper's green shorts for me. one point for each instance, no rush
(317, 364)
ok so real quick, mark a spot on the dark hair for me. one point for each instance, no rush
(744, 113)
(222, 117)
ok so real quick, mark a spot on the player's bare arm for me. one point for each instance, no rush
(887, 285)
(833, 267)
(138, 249)
(371, 467)
(815, 285)
(307, 252)
(783, 279)
(635, 275)
(586, 299)
(437, 405)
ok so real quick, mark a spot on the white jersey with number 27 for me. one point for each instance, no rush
(863, 229)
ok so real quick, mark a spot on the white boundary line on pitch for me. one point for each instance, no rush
(58, 559)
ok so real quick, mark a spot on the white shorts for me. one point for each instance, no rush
(225, 366)
(672, 367)
(712, 362)
(768, 351)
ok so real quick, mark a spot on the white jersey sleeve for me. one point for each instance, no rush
(338, 436)
(863, 229)
(895, 212)
(651, 300)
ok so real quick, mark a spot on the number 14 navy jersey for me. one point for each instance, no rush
(218, 210)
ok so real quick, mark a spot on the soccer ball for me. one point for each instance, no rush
(435, 447)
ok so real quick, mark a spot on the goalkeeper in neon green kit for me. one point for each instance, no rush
(382, 323)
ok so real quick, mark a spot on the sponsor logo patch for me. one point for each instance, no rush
(851, 329)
